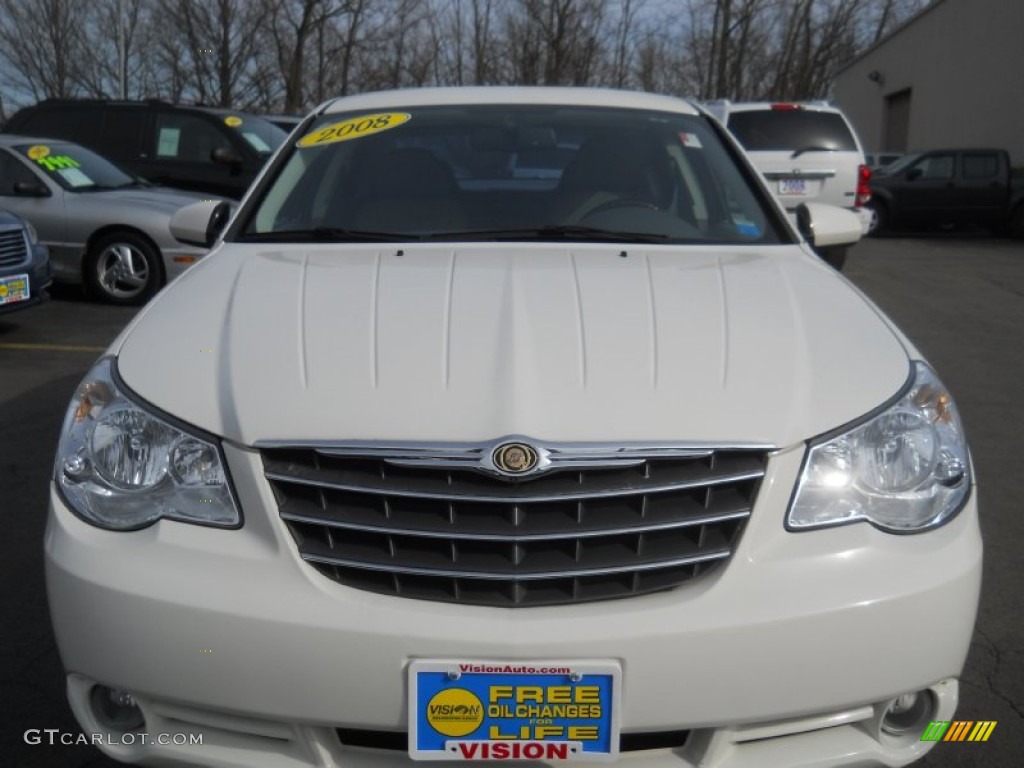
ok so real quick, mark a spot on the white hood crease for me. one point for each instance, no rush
(574, 342)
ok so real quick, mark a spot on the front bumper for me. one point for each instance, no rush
(793, 648)
(39, 279)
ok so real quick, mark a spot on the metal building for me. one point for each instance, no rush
(951, 76)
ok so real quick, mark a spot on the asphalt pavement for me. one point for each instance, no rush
(960, 299)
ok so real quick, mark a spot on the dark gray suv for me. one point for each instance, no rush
(203, 149)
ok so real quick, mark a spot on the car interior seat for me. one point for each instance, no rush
(407, 190)
(607, 169)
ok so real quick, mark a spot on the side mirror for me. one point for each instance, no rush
(824, 226)
(226, 156)
(914, 173)
(200, 224)
(31, 189)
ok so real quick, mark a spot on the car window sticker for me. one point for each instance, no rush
(75, 178)
(232, 121)
(38, 151)
(167, 142)
(354, 128)
(256, 141)
(56, 162)
(690, 140)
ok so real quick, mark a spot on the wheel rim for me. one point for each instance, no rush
(122, 271)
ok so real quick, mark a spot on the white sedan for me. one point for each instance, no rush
(513, 424)
(103, 227)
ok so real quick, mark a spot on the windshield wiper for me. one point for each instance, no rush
(798, 152)
(326, 235)
(552, 232)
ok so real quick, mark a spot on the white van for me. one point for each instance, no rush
(807, 152)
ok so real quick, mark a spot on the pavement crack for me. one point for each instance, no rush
(991, 678)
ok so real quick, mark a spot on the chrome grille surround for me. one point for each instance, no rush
(440, 522)
(13, 247)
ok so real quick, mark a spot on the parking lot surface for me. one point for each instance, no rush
(960, 299)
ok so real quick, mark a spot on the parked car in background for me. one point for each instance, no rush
(580, 455)
(807, 152)
(286, 123)
(203, 149)
(949, 187)
(102, 225)
(881, 159)
(24, 264)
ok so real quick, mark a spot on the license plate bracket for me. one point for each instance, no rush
(14, 288)
(514, 710)
(792, 186)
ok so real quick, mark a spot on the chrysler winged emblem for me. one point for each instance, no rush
(515, 458)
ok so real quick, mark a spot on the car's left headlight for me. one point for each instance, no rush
(121, 466)
(904, 469)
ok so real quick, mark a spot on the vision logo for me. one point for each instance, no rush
(455, 712)
(958, 730)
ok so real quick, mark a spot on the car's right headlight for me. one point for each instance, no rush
(904, 470)
(121, 466)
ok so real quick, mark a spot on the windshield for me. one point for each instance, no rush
(511, 172)
(75, 168)
(262, 135)
(897, 166)
(791, 129)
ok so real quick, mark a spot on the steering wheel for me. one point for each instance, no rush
(622, 202)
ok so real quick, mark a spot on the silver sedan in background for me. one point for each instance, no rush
(103, 227)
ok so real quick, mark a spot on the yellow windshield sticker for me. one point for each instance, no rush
(355, 128)
(233, 121)
(38, 151)
(56, 162)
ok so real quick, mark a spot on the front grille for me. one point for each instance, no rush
(426, 530)
(13, 248)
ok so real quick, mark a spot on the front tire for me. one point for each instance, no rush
(123, 268)
(879, 220)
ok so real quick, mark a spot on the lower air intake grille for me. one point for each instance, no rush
(603, 523)
(398, 741)
(13, 248)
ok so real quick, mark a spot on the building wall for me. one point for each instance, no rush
(964, 63)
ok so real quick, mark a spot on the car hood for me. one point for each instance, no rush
(160, 199)
(9, 219)
(582, 342)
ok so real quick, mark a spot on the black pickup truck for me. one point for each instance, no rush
(949, 187)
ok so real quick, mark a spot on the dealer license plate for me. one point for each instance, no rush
(792, 186)
(13, 289)
(515, 710)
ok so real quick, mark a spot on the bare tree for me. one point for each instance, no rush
(339, 48)
(43, 43)
(294, 27)
(217, 40)
(486, 50)
(555, 42)
(98, 71)
(625, 41)
(290, 54)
